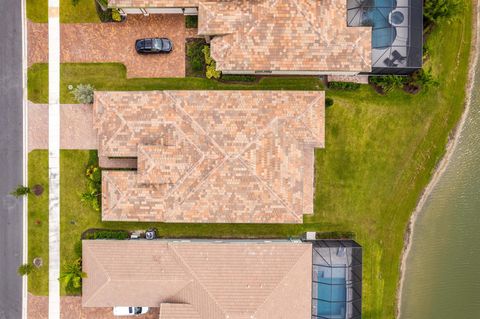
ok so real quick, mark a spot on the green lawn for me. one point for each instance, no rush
(83, 11)
(38, 221)
(37, 10)
(112, 76)
(380, 153)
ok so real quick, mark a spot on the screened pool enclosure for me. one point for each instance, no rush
(397, 32)
(336, 279)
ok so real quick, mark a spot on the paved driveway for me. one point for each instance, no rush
(114, 42)
(76, 127)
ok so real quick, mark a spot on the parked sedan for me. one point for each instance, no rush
(129, 311)
(153, 45)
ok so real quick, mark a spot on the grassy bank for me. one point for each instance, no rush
(112, 76)
(380, 153)
(82, 12)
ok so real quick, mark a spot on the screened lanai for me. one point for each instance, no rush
(397, 32)
(337, 279)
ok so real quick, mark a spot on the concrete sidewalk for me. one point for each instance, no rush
(76, 127)
(53, 159)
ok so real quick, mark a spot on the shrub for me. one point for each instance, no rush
(107, 234)
(423, 78)
(343, 85)
(195, 55)
(239, 78)
(388, 82)
(436, 10)
(212, 71)
(104, 14)
(206, 52)
(83, 93)
(20, 191)
(94, 174)
(116, 16)
(328, 102)
(191, 22)
(75, 2)
(94, 187)
(72, 275)
(25, 269)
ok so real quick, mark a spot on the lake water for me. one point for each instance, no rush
(443, 268)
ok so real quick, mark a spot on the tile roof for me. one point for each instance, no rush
(277, 35)
(178, 311)
(210, 156)
(216, 280)
(285, 35)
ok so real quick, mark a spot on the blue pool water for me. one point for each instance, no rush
(383, 33)
(333, 295)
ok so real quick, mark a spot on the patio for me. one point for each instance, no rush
(114, 42)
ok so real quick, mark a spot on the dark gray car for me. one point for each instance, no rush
(153, 45)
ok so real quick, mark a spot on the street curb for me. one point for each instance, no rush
(24, 156)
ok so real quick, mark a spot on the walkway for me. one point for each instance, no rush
(115, 42)
(76, 127)
(53, 159)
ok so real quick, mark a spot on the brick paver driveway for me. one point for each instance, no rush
(114, 42)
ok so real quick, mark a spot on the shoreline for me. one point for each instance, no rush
(443, 164)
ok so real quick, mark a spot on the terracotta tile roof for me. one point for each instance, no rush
(217, 280)
(178, 311)
(277, 35)
(285, 35)
(210, 156)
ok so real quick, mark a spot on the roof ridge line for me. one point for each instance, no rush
(177, 104)
(117, 132)
(269, 189)
(207, 176)
(114, 185)
(104, 271)
(312, 25)
(299, 117)
(282, 280)
(189, 269)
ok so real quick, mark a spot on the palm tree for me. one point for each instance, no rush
(20, 191)
(72, 274)
(25, 269)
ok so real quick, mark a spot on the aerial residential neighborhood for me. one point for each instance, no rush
(232, 159)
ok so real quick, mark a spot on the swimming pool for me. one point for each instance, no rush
(383, 33)
(332, 295)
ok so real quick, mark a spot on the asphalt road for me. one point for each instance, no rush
(10, 157)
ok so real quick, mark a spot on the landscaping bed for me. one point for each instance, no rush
(195, 58)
